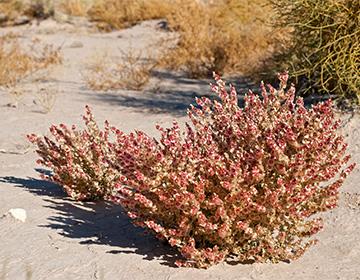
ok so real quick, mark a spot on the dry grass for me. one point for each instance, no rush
(45, 98)
(131, 72)
(12, 9)
(227, 37)
(17, 63)
(40, 9)
(117, 14)
(75, 7)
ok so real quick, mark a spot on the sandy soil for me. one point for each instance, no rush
(63, 239)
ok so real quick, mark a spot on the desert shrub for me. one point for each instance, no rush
(75, 7)
(130, 71)
(18, 62)
(325, 47)
(10, 9)
(225, 36)
(15, 63)
(239, 183)
(78, 159)
(46, 97)
(115, 14)
(39, 9)
(13, 9)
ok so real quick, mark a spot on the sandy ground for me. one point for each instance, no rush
(63, 239)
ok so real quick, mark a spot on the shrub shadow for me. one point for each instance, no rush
(174, 103)
(167, 93)
(100, 223)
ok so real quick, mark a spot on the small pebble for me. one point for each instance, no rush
(76, 44)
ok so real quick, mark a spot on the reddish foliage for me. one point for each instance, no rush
(240, 181)
(78, 159)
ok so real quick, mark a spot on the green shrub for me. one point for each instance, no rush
(324, 52)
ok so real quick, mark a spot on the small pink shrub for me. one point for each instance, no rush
(78, 159)
(239, 182)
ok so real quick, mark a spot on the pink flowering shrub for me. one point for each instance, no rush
(239, 182)
(78, 159)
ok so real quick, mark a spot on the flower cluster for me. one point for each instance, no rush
(239, 182)
(78, 159)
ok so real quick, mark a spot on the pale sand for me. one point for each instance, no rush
(63, 239)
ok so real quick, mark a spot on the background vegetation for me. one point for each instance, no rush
(317, 41)
(324, 53)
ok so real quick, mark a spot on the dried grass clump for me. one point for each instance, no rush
(10, 9)
(325, 49)
(132, 72)
(75, 7)
(18, 63)
(40, 9)
(226, 36)
(15, 64)
(13, 9)
(117, 14)
(45, 98)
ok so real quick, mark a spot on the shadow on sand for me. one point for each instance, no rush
(169, 93)
(172, 93)
(101, 223)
